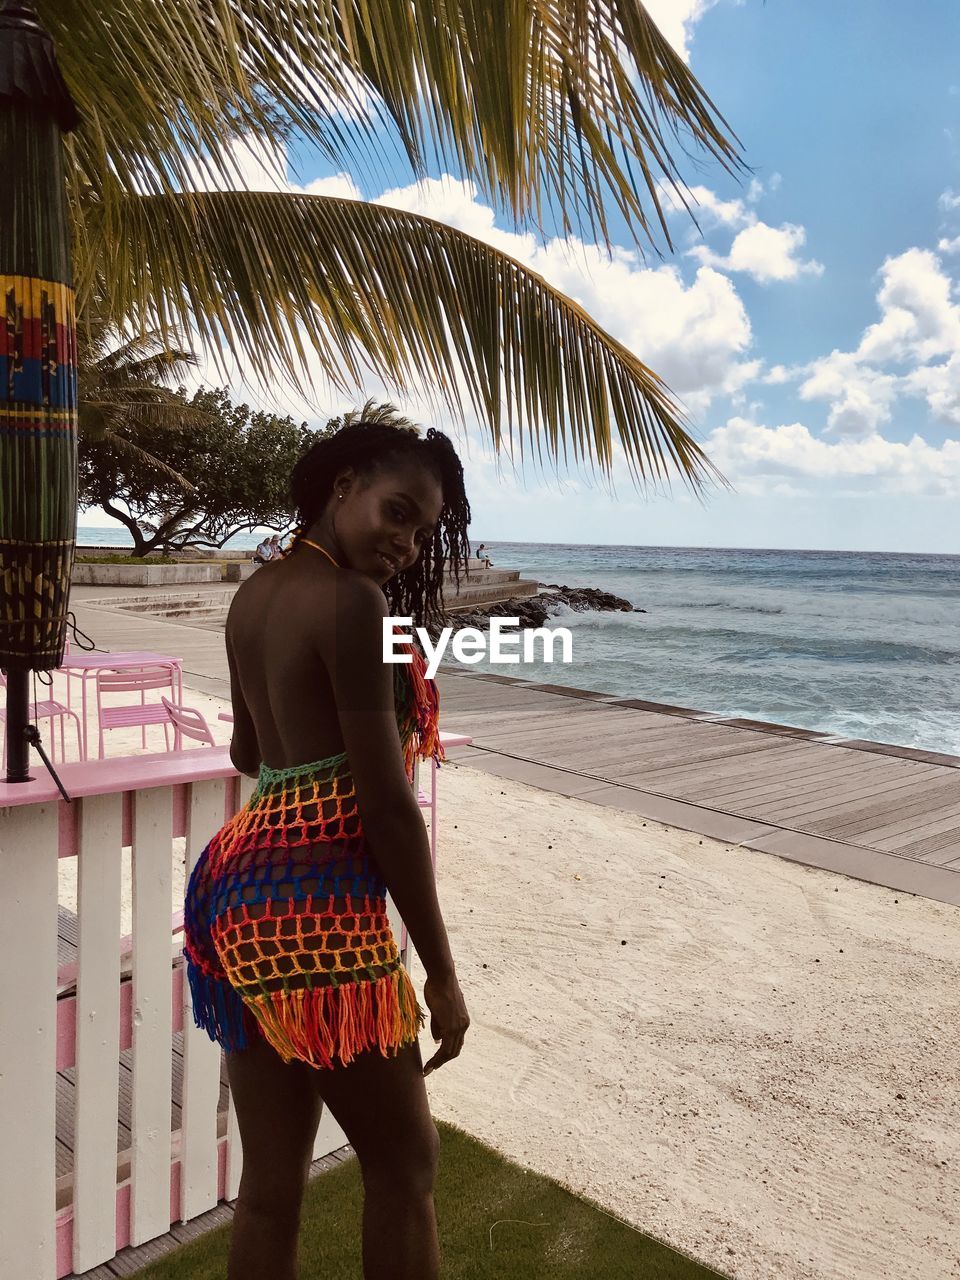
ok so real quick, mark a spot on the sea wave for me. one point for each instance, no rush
(725, 604)
(827, 648)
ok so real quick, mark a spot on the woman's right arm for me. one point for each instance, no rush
(363, 687)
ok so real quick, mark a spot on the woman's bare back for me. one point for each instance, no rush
(281, 623)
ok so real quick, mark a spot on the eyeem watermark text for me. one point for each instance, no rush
(470, 644)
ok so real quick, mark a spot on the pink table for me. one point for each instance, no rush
(84, 665)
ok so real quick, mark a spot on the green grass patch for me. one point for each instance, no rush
(121, 559)
(539, 1231)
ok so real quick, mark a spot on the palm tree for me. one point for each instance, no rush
(555, 108)
(122, 389)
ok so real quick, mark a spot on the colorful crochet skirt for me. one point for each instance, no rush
(286, 933)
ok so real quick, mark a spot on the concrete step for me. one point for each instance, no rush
(470, 596)
(164, 602)
(483, 577)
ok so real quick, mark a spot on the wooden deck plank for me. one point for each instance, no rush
(876, 795)
(932, 848)
(815, 792)
(794, 781)
(918, 818)
(713, 759)
(744, 759)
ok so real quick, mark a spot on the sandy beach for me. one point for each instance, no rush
(744, 1057)
(747, 1058)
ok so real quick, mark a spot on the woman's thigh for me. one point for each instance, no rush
(380, 1103)
(278, 1111)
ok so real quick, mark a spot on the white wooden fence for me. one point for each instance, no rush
(72, 1019)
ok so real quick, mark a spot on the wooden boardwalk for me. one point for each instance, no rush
(886, 814)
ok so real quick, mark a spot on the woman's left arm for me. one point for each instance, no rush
(244, 747)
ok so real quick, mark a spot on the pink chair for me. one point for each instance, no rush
(46, 710)
(188, 723)
(135, 680)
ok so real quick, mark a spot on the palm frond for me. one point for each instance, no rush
(268, 275)
(566, 103)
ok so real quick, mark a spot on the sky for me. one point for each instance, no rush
(810, 327)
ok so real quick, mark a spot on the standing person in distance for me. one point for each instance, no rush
(292, 964)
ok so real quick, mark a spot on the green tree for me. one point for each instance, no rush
(556, 109)
(195, 489)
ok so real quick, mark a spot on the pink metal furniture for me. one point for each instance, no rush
(138, 680)
(47, 710)
(189, 723)
(85, 665)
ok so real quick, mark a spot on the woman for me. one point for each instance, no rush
(292, 965)
(264, 552)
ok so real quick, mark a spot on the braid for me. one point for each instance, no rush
(365, 447)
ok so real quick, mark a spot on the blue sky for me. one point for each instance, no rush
(812, 330)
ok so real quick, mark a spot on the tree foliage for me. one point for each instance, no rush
(237, 468)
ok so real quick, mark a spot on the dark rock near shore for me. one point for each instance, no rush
(533, 611)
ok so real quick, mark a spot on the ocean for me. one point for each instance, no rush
(864, 644)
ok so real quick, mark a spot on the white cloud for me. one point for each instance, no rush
(949, 201)
(939, 385)
(676, 20)
(754, 456)
(340, 185)
(758, 187)
(708, 209)
(919, 323)
(693, 335)
(762, 251)
(949, 246)
(766, 253)
(861, 397)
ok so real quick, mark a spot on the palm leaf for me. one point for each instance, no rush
(264, 274)
(566, 103)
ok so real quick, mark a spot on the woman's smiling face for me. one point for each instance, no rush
(385, 517)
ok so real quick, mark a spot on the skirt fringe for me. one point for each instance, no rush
(217, 1009)
(320, 1026)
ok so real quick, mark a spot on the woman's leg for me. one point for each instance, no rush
(278, 1110)
(381, 1105)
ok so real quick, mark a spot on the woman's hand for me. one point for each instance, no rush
(449, 1019)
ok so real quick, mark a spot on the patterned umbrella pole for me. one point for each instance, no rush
(38, 367)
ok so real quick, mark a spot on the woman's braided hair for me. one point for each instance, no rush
(369, 447)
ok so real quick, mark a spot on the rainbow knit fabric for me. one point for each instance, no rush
(286, 933)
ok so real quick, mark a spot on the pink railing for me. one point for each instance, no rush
(112, 993)
(115, 993)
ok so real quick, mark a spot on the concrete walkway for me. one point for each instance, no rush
(886, 814)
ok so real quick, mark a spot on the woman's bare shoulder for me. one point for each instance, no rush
(322, 600)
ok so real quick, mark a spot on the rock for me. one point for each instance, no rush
(533, 611)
